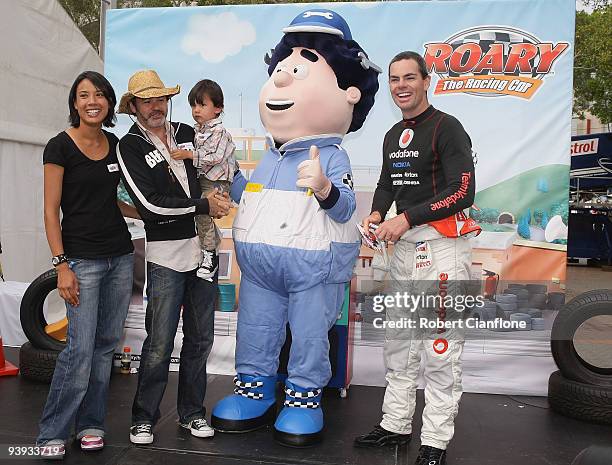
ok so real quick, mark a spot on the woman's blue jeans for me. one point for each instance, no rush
(79, 388)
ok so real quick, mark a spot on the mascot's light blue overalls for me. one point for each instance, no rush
(296, 249)
(295, 254)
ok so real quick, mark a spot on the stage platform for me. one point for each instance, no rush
(490, 430)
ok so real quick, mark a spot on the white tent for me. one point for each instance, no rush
(42, 52)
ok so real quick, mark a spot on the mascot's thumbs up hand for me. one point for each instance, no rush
(311, 175)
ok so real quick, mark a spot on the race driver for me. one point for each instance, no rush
(428, 172)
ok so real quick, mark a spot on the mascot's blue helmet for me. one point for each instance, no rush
(320, 20)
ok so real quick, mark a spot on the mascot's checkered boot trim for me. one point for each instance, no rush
(245, 389)
(302, 395)
(300, 422)
(252, 405)
(291, 403)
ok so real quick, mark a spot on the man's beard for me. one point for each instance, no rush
(157, 121)
(150, 122)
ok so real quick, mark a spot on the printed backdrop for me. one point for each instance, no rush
(504, 68)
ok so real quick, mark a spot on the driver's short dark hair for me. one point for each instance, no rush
(410, 55)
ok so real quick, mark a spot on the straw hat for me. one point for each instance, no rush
(145, 84)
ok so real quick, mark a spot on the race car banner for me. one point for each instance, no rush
(502, 67)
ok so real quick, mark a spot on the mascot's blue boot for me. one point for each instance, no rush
(252, 405)
(300, 422)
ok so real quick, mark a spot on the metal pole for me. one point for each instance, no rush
(104, 5)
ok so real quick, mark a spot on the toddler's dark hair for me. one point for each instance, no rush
(206, 87)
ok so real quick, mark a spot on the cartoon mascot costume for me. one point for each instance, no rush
(294, 232)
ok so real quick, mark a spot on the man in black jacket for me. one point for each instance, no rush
(428, 172)
(167, 197)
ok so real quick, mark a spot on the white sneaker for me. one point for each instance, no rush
(141, 434)
(92, 442)
(208, 266)
(199, 428)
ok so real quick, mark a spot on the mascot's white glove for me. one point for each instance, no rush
(311, 175)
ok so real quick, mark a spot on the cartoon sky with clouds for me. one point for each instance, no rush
(228, 44)
(215, 37)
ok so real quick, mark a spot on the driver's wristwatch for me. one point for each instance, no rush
(59, 259)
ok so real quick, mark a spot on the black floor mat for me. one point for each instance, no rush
(490, 430)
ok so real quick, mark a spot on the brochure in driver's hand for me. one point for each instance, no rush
(370, 240)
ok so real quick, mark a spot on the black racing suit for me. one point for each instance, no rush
(430, 175)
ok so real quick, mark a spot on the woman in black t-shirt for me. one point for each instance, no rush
(93, 254)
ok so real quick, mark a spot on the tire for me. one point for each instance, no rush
(534, 312)
(31, 312)
(507, 307)
(522, 317)
(506, 299)
(537, 288)
(580, 401)
(37, 364)
(594, 455)
(516, 286)
(556, 300)
(520, 292)
(491, 313)
(538, 300)
(568, 320)
(538, 324)
(503, 314)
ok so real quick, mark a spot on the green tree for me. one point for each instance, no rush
(593, 62)
(86, 15)
(156, 3)
(595, 4)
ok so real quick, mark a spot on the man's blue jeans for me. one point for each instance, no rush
(80, 382)
(167, 291)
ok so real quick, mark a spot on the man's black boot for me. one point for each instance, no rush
(431, 456)
(379, 437)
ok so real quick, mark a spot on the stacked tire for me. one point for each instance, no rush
(38, 356)
(506, 305)
(538, 296)
(579, 389)
(487, 312)
(37, 364)
(522, 294)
